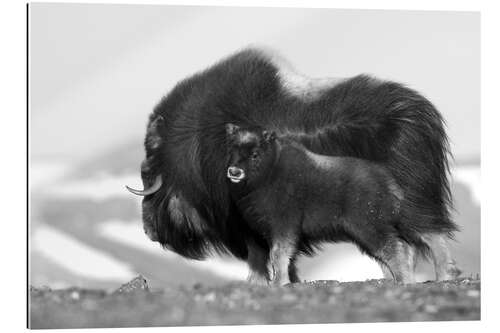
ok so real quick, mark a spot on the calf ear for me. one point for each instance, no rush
(231, 129)
(269, 136)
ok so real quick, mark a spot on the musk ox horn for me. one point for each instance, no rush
(156, 186)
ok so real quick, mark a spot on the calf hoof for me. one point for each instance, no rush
(404, 281)
(258, 280)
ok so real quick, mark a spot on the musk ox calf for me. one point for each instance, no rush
(187, 205)
(295, 199)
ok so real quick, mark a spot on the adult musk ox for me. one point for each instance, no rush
(295, 199)
(187, 206)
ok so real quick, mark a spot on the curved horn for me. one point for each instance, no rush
(156, 186)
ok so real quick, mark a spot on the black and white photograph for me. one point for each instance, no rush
(250, 165)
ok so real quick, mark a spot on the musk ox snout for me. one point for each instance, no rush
(235, 174)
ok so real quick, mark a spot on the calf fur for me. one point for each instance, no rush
(295, 200)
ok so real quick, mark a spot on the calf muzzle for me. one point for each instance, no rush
(235, 174)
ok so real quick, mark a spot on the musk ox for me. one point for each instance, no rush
(187, 206)
(295, 199)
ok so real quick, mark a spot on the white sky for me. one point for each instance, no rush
(98, 70)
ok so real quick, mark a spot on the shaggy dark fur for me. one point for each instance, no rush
(362, 117)
(295, 198)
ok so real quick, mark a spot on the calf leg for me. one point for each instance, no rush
(257, 264)
(444, 265)
(398, 261)
(386, 271)
(292, 270)
(282, 251)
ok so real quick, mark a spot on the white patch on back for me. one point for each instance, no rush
(303, 87)
(320, 161)
(296, 84)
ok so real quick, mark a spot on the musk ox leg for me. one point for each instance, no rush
(280, 257)
(257, 264)
(397, 260)
(444, 265)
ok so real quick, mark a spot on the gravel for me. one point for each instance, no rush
(134, 304)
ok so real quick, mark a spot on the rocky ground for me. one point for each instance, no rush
(135, 304)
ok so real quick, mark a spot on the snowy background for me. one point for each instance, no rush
(98, 70)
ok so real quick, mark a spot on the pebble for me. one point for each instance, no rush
(473, 293)
(431, 309)
(332, 300)
(89, 305)
(231, 304)
(289, 297)
(75, 295)
(338, 290)
(406, 295)
(210, 297)
(40, 289)
(253, 305)
(176, 314)
(138, 282)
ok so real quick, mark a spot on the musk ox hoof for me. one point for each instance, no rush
(277, 279)
(451, 272)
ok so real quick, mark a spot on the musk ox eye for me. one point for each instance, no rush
(255, 155)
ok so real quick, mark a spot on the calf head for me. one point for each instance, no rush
(251, 153)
